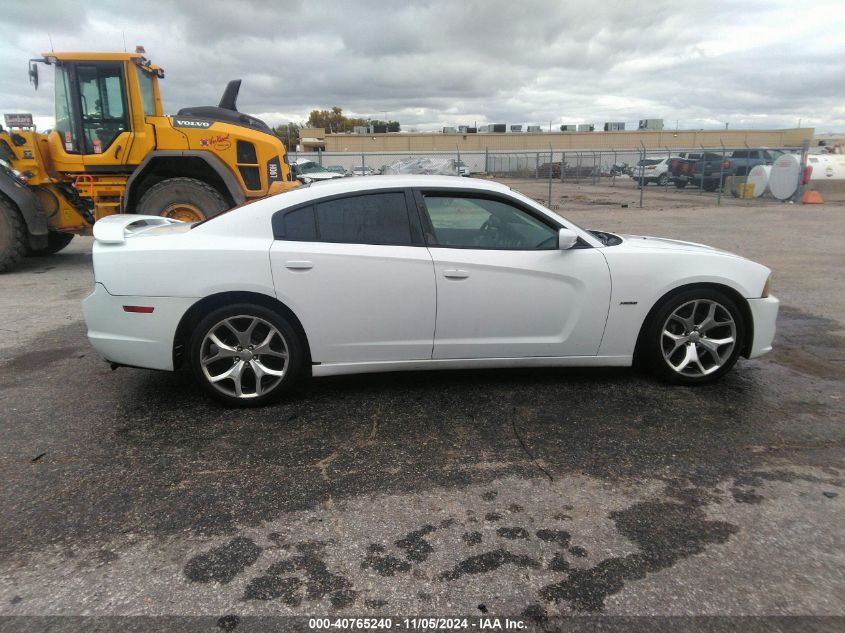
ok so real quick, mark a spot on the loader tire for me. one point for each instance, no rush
(13, 237)
(56, 241)
(185, 199)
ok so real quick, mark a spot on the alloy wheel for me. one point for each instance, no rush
(698, 338)
(244, 356)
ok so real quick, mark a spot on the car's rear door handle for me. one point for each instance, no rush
(456, 274)
(299, 265)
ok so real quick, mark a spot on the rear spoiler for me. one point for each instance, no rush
(114, 229)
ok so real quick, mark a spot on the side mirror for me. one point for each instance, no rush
(566, 239)
(33, 73)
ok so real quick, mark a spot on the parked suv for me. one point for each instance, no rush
(654, 170)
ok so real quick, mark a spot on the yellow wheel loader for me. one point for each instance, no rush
(113, 150)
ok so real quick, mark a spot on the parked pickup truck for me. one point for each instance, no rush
(708, 168)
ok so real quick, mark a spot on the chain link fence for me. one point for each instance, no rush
(720, 170)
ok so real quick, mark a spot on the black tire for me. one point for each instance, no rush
(13, 236)
(653, 341)
(56, 241)
(184, 199)
(680, 184)
(225, 390)
(663, 180)
(710, 186)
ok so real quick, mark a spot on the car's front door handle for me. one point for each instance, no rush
(299, 265)
(455, 274)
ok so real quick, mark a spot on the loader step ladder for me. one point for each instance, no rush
(105, 191)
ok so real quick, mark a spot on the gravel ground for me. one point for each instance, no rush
(521, 494)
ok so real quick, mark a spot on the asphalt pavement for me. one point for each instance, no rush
(526, 494)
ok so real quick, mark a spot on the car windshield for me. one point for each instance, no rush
(647, 161)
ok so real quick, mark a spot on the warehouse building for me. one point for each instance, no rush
(313, 139)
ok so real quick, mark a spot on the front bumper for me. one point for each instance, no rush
(764, 313)
(128, 338)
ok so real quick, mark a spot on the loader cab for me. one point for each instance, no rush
(101, 102)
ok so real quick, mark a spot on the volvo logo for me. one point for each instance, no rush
(191, 123)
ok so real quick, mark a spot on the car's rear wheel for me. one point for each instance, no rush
(680, 184)
(695, 337)
(246, 355)
(663, 180)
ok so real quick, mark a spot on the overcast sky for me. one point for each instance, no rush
(752, 64)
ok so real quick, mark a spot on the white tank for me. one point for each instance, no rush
(759, 177)
(827, 166)
(783, 179)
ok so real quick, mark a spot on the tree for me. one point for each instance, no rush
(289, 133)
(392, 126)
(332, 120)
(335, 122)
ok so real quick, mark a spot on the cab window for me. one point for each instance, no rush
(64, 112)
(148, 95)
(102, 99)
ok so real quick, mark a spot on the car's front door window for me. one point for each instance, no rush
(466, 221)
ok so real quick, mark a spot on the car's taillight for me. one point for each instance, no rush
(808, 171)
(726, 164)
(139, 309)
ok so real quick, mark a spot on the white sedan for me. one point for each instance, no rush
(308, 171)
(408, 273)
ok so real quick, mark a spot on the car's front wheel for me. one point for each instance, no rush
(695, 337)
(246, 355)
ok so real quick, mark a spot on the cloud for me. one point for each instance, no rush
(435, 63)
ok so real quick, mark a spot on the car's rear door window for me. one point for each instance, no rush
(380, 218)
(297, 225)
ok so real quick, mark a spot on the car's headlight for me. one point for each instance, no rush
(766, 287)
